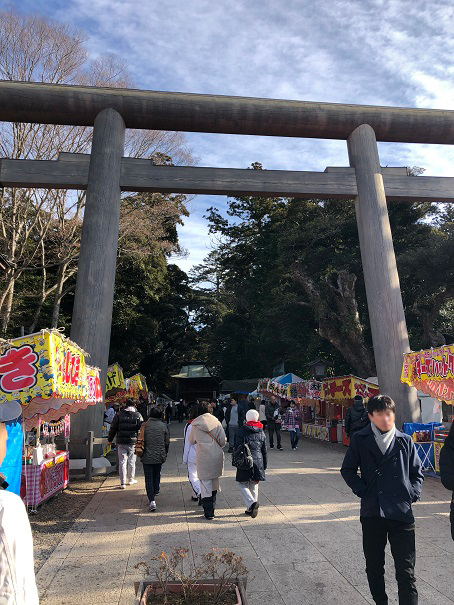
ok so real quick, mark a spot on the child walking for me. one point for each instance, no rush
(252, 434)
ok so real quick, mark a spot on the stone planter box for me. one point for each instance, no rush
(143, 589)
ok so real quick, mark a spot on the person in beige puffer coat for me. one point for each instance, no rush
(209, 438)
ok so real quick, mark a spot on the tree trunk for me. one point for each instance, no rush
(61, 278)
(6, 304)
(432, 337)
(337, 312)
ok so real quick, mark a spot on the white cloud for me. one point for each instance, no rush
(381, 52)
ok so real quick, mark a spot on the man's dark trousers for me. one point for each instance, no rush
(376, 532)
(274, 427)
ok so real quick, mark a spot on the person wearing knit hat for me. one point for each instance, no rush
(252, 435)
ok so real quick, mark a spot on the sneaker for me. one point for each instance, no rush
(248, 512)
(296, 447)
(279, 447)
(122, 486)
(132, 481)
(271, 447)
(156, 494)
(254, 510)
(195, 498)
(152, 506)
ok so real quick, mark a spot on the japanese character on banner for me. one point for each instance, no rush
(18, 369)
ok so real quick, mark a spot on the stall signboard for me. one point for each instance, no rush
(272, 387)
(94, 391)
(45, 365)
(309, 389)
(432, 372)
(344, 388)
(115, 378)
(134, 386)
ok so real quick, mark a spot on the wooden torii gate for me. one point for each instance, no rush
(105, 173)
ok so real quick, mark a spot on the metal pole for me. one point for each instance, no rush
(93, 302)
(384, 299)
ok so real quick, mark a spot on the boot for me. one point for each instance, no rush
(208, 507)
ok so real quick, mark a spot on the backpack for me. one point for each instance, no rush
(361, 423)
(242, 457)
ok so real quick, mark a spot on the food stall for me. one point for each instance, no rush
(431, 371)
(338, 394)
(48, 376)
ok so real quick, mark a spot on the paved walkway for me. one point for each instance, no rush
(303, 548)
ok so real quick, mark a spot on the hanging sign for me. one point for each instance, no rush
(115, 378)
(346, 387)
(45, 366)
(432, 372)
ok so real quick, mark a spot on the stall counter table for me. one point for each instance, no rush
(41, 481)
(316, 431)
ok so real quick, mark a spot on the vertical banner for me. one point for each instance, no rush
(12, 464)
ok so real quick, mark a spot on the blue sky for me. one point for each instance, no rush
(381, 52)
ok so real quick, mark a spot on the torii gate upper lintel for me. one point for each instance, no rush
(105, 173)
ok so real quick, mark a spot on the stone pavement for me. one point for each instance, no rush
(303, 548)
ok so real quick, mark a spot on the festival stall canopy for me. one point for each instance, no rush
(288, 378)
(432, 372)
(47, 375)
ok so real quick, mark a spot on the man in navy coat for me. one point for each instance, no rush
(388, 483)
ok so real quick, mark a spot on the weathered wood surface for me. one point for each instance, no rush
(93, 300)
(384, 299)
(70, 171)
(79, 105)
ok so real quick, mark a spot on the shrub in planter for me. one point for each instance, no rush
(219, 579)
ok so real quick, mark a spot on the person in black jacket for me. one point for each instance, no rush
(126, 426)
(390, 481)
(273, 414)
(447, 470)
(253, 435)
(357, 417)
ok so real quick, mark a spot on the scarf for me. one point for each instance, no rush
(383, 440)
(258, 425)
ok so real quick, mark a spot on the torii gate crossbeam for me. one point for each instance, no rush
(106, 173)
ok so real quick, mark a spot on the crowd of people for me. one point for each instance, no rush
(209, 427)
(381, 466)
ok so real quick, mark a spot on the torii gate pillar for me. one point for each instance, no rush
(93, 302)
(384, 299)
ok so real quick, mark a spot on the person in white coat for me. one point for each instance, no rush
(190, 456)
(208, 436)
(17, 575)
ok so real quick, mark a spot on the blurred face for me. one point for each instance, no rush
(273, 399)
(383, 420)
(3, 440)
(234, 402)
(292, 405)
